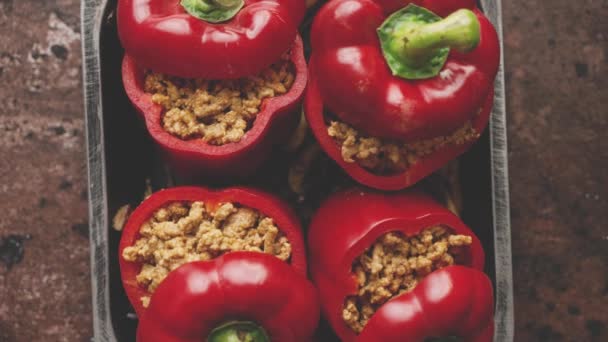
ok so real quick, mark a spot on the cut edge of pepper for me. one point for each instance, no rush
(461, 136)
(151, 112)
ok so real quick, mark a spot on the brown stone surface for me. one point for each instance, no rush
(46, 297)
(557, 100)
(557, 90)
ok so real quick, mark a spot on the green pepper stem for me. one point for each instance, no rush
(225, 3)
(238, 331)
(208, 5)
(201, 5)
(213, 11)
(460, 31)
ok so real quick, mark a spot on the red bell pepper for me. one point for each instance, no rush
(455, 301)
(212, 39)
(423, 167)
(349, 222)
(364, 73)
(282, 215)
(251, 295)
(273, 125)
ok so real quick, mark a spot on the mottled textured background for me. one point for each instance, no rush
(557, 101)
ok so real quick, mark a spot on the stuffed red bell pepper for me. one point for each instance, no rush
(218, 82)
(185, 224)
(240, 296)
(398, 267)
(399, 88)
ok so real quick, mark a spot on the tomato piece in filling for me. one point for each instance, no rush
(183, 232)
(384, 156)
(395, 264)
(217, 111)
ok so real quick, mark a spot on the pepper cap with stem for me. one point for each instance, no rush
(416, 42)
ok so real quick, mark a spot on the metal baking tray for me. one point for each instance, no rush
(122, 162)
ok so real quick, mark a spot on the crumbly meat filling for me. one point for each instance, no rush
(395, 264)
(185, 232)
(217, 111)
(383, 156)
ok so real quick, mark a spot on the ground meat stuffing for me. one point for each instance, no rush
(395, 264)
(386, 157)
(185, 232)
(218, 112)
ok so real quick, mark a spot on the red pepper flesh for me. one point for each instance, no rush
(424, 166)
(348, 70)
(355, 83)
(269, 205)
(162, 36)
(200, 296)
(453, 301)
(349, 222)
(194, 159)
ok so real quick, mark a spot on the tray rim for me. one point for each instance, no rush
(91, 21)
(504, 315)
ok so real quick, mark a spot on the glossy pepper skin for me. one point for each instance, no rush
(452, 301)
(349, 78)
(163, 37)
(193, 159)
(282, 215)
(199, 296)
(349, 222)
(355, 83)
(314, 109)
